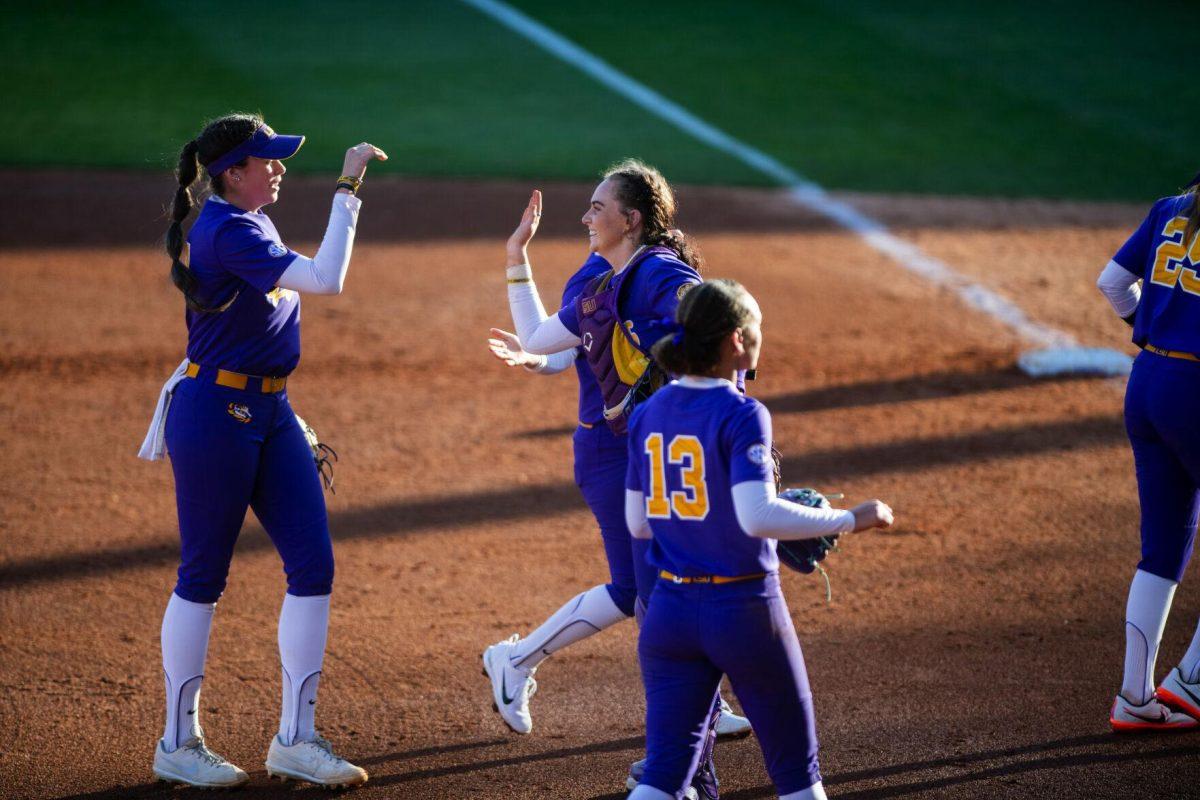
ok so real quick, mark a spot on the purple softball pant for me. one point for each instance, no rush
(232, 450)
(694, 633)
(1165, 437)
(601, 459)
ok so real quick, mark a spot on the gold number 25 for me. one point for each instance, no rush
(1170, 256)
(692, 502)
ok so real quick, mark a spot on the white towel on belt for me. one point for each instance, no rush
(154, 446)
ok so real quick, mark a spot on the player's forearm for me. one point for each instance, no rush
(763, 515)
(554, 363)
(635, 515)
(539, 334)
(1120, 287)
(325, 273)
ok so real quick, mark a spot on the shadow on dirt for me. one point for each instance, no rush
(1099, 749)
(408, 517)
(931, 386)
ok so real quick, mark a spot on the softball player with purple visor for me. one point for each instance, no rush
(1160, 419)
(235, 442)
(701, 488)
(629, 222)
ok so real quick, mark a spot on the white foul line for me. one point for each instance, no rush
(801, 190)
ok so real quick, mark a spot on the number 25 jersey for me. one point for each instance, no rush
(1169, 313)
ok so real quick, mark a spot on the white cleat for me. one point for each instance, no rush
(1180, 695)
(731, 725)
(1126, 717)
(194, 764)
(511, 686)
(313, 761)
(638, 768)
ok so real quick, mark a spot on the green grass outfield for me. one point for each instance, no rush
(1075, 98)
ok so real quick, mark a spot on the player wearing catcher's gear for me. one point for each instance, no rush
(701, 488)
(603, 328)
(235, 442)
(1160, 419)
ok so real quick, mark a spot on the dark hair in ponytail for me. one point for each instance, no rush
(1193, 215)
(218, 138)
(707, 314)
(642, 187)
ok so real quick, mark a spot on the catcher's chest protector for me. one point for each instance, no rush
(608, 344)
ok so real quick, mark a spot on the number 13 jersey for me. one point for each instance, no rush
(689, 444)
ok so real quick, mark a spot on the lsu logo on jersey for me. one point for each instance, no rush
(239, 412)
(277, 296)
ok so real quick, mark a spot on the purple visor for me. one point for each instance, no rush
(265, 143)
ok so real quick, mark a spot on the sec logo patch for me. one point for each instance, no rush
(239, 412)
(276, 250)
(759, 454)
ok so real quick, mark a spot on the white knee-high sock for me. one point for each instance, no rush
(584, 614)
(1190, 665)
(1145, 618)
(303, 627)
(814, 792)
(643, 792)
(185, 629)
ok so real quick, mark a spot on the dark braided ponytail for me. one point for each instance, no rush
(218, 138)
(707, 314)
(186, 173)
(639, 186)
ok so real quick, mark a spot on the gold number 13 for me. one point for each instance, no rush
(689, 504)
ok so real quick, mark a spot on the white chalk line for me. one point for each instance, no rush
(801, 190)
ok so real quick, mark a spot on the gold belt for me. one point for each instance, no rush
(710, 578)
(1172, 353)
(236, 380)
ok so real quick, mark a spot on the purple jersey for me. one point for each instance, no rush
(1168, 315)
(687, 447)
(646, 300)
(591, 403)
(238, 254)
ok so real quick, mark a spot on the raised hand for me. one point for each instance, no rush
(507, 347)
(530, 219)
(358, 157)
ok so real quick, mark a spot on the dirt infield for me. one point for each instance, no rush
(971, 652)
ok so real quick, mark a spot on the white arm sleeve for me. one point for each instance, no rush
(635, 514)
(762, 514)
(1121, 288)
(326, 272)
(555, 362)
(538, 333)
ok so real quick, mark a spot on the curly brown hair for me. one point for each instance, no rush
(640, 186)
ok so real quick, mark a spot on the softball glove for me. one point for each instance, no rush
(323, 454)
